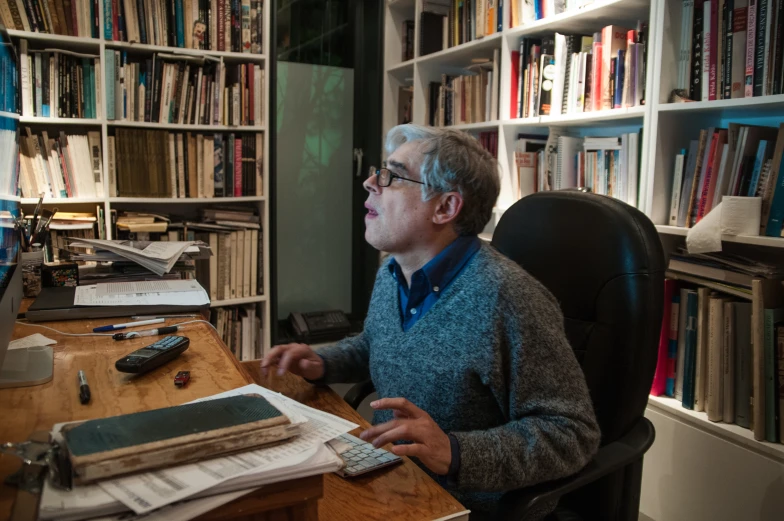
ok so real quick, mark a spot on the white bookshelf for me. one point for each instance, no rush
(697, 469)
(97, 46)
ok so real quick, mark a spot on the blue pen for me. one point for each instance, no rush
(136, 323)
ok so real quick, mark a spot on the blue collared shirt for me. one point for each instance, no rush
(428, 282)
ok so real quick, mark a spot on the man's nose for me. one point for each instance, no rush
(371, 184)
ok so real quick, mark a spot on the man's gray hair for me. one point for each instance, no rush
(454, 162)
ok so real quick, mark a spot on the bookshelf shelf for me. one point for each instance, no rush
(64, 200)
(9, 115)
(185, 200)
(177, 126)
(587, 19)
(759, 104)
(727, 431)
(186, 209)
(402, 5)
(226, 55)
(238, 301)
(404, 72)
(754, 240)
(600, 118)
(462, 55)
(59, 39)
(39, 120)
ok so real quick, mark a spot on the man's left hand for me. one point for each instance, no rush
(429, 443)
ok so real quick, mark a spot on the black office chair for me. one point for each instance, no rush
(603, 261)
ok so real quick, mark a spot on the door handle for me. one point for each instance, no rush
(358, 159)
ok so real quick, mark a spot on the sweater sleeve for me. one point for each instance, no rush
(551, 430)
(346, 361)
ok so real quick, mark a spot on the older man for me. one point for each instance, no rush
(467, 351)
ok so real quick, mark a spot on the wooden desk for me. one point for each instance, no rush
(404, 492)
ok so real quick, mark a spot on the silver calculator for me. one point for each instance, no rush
(360, 457)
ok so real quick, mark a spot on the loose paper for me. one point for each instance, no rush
(142, 293)
(31, 341)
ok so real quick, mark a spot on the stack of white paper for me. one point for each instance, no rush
(157, 256)
(183, 492)
(142, 293)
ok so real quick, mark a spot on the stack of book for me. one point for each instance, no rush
(180, 164)
(67, 18)
(730, 49)
(60, 166)
(740, 160)
(572, 73)
(65, 225)
(171, 88)
(721, 349)
(58, 83)
(215, 25)
(447, 23)
(468, 98)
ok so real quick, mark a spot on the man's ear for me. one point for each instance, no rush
(448, 207)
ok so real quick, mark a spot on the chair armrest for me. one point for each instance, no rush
(359, 392)
(610, 458)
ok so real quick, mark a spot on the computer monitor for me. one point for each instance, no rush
(18, 367)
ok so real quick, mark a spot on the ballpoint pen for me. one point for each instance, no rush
(146, 317)
(84, 388)
(146, 332)
(115, 327)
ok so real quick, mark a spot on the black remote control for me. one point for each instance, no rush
(154, 355)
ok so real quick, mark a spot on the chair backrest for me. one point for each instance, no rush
(603, 260)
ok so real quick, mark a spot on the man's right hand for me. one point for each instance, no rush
(295, 358)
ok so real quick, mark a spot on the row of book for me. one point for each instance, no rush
(8, 156)
(572, 73)
(447, 23)
(9, 82)
(169, 88)
(723, 353)
(605, 165)
(468, 98)
(59, 83)
(154, 163)
(60, 165)
(64, 17)
(489, 141)
(407, 43)
(215, 25)
(524, 12)
(239, 327)
(66, 225)
(731, 49)
(740, 160)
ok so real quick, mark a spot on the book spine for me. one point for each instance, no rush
(751, 28)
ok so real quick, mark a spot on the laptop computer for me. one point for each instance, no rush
(58, 304)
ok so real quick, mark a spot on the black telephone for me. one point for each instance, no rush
(319, 326)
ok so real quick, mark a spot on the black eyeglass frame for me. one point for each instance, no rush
(378, 173)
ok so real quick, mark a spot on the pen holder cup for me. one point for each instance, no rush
(32, 263)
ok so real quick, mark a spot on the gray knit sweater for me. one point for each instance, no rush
(491, 365)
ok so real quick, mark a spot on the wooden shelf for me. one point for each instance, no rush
(10, 115)
(177, 126)
(727, 431)
(238, 301)
(482, 125)
(186, 200)
(402, 5)
(71, 41)
(755, 240)
(461, 55)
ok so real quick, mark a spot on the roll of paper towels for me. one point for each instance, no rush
(733, 216)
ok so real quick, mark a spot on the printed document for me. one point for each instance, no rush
(142, 293)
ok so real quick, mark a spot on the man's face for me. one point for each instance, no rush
(398, 220)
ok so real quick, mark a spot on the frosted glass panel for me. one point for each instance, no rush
(314, 178)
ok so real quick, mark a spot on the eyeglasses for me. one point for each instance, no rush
(384, 177)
